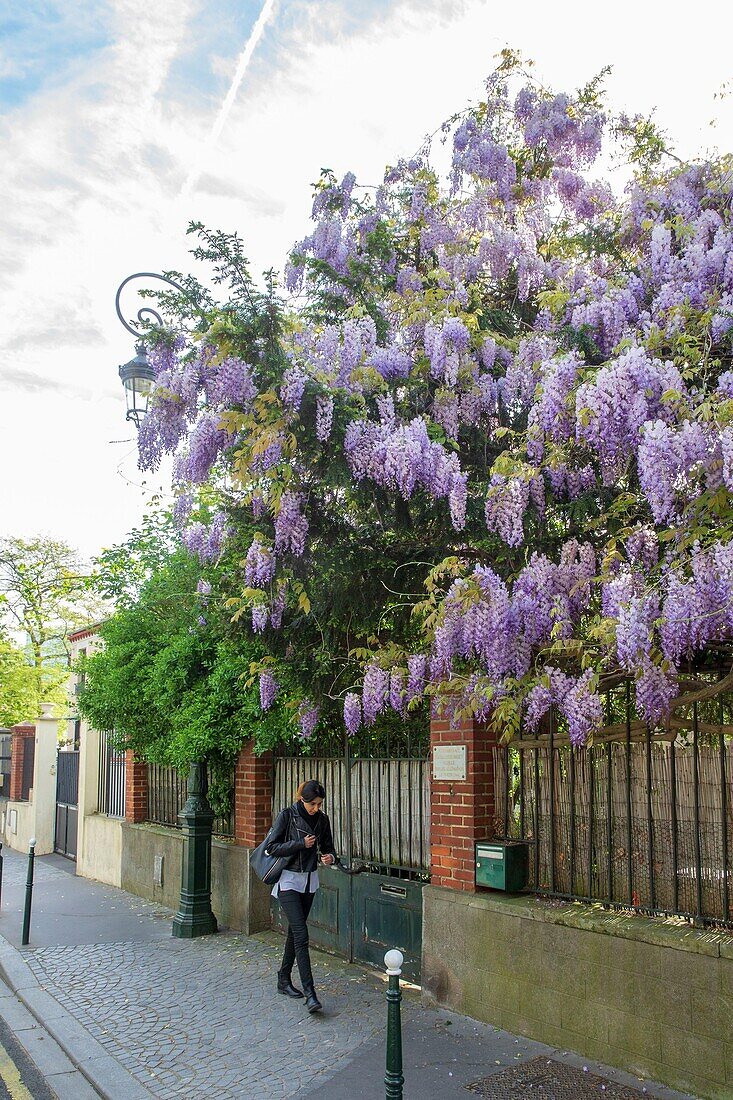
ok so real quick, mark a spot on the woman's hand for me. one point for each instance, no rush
(328, 860)
(310, 840)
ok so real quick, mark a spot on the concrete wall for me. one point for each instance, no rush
(99, 853)
(44, 779)
(646, 995)
(238, 898)
(89, 752)
(36, 818)
(25, 822)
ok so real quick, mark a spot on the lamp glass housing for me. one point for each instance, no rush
(137, 377)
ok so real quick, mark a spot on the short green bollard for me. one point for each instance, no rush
(393, 1078)
(25, 938)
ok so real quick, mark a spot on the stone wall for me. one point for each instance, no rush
(239, 900)
(646, 995)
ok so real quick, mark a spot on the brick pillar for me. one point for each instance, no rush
(252, 796)
(136, 788)
(461, 812)
(23, 735)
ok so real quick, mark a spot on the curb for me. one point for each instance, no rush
(104, 1073)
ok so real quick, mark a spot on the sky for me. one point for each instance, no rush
(120, 122)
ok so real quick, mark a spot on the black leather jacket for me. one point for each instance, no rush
(287, 838)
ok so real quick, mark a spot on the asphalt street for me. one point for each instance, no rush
(19, 1077)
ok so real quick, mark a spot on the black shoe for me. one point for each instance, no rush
(311, 1001)
(286, 987)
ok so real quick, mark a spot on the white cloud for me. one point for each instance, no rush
(93, 167)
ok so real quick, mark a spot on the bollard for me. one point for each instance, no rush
(393, 1078)
(28, 895)
(1, 875)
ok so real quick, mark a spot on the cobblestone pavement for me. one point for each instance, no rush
(202, 1017)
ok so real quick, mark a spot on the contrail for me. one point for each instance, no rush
(244, 60)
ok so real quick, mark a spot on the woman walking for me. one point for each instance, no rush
(301, 831)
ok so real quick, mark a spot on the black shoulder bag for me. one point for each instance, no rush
(266, 867)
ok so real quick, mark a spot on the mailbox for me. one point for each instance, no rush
(502, 864)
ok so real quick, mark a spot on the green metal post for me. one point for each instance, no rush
(25, 939)
(194, 916)
(393, 1078)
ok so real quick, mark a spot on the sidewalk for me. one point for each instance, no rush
(144, 1015)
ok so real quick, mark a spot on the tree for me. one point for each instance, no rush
(19, 696)
(45, 593)
(485, 452)
(170, 681)
(120, 571)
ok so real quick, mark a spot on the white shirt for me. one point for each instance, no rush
(296, 880)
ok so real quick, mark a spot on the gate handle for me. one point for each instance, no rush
(356, 868)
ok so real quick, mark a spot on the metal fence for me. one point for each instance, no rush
(111, 781)
(67, 778)
(167, 793)
(640, 820)
(6, 750)
(377, 798)
(29, 759)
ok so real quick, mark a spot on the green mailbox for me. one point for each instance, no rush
(502, 864)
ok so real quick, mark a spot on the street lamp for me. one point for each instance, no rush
(195, 916)
(138, 376)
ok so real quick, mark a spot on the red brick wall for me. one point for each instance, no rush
(22, 735)
(252, 796)
(460, 812)
(136, 788)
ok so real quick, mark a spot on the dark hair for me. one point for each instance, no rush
(310, 790)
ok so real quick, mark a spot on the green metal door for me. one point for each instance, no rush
(387, 912)
(362, 916)
(379, 806)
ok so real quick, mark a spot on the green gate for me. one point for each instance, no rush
(379, 807)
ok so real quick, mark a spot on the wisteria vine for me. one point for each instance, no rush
(530, 374)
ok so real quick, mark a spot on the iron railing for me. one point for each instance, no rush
(377, 797)
(112, 777)
(29, 759)
(641, 820)
(167, 793)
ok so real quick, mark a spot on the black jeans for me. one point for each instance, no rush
(296, 908)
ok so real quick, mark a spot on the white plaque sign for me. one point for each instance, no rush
(449, 762)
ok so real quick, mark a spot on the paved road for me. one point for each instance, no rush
(19, 1077)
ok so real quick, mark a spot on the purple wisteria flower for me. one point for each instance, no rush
(269, 688)
(374, 692)
(182, 508)
(291, 525)
(293, 388)
(206, 441)
(416, 671)
(259, 618)
(259, 565)
(505, 507)
(397, 699)
(403, 457)
(324, 418)
(574, 697)
(352, 713)
(278, 607)
(308, 715)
